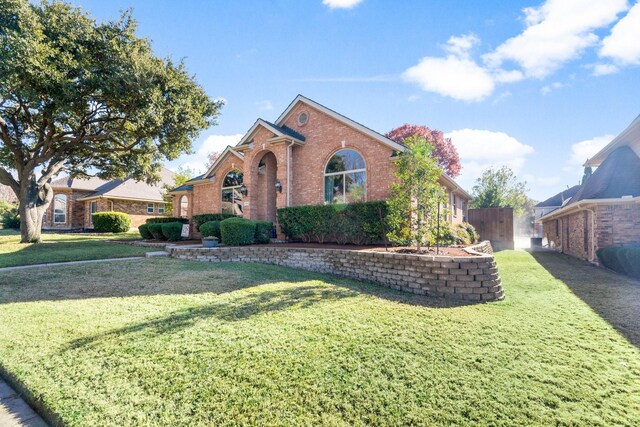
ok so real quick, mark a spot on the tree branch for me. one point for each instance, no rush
(7, 179)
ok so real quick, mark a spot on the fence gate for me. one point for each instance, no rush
(495, 225)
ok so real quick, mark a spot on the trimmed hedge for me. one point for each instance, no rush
(172, 231)
(166, 219)
(622, 259)
(356, 223)
(210, 229)
(237, 231)
(156, 230)
(111, 222)
(200, 219)
(263, 231)
(144, 231)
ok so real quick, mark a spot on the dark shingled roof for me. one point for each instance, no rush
(287, 131)
(617, 176)
(559, 198)
(186, 186)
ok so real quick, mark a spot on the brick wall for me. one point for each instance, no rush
(75, 211)
(471, 278)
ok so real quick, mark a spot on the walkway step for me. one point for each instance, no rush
(156, 253)
(15, 412)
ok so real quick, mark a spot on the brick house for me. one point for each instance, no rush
(309, 155)
(76, 199)
(605, 211)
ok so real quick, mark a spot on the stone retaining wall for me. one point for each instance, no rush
(471, 278)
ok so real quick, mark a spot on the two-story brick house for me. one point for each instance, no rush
(309, 155)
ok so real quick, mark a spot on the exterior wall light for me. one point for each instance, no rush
(278, 186)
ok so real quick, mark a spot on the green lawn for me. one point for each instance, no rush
(58, 247)
(177, 343)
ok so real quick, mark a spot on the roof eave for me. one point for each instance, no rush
(581, 204)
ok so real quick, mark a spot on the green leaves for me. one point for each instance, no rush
(499, 188)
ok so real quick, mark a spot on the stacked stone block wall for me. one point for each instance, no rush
(470, 278)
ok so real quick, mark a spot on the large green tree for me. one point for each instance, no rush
(500, 188)
(86, 98)
(415, 197)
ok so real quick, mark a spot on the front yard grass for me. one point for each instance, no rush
(168, 342)
(60, 247)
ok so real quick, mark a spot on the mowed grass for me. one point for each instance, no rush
(59, 247)
(168, 342)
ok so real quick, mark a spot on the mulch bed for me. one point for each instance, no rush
(443, 251)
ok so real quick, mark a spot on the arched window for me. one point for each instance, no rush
(184, 206)
(60, 209)
(231, 195)
(345, 178)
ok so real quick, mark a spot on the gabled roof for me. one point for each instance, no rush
(560, 198)
(628, 137)
(281, 131)
(339, 117)
(130, 189)
(214, 165)
(187, 186)
(617, 176)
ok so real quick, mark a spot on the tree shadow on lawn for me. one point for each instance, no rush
(616, 298)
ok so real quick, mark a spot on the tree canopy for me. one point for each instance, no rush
(87, 98)
(443, 148)
(499, 188)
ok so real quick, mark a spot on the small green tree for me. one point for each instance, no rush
(181, 176)
(416, 196)
(499, 188)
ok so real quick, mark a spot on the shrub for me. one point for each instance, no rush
(111, 222)
(144, 231)
(200, 219)
(471, 231)
(156, 231)
(210, 229)
(172, 230)
(263, 231)
(237, 231)
(357, 223)
(622, 259)
(166, 219)
(9, 217)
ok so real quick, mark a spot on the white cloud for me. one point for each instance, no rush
(199, 159)
(583, 150)
(604, 69)
(265, 105)
(456, 76)
(557, 31)
(548, 88)
(341, 4)
(623, 44)
(480, 149)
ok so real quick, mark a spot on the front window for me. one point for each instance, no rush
(60, 209)
(161, 208)
(149, 208)
(184, 206)
(345, 178)
(231, 195)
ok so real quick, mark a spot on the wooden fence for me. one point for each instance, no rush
(495, 225)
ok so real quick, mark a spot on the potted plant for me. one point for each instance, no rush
(209, 242)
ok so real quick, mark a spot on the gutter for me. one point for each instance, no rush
(580, 206)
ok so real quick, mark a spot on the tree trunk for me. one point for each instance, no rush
(34, 201)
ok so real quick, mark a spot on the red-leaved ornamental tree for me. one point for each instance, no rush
(444, 150)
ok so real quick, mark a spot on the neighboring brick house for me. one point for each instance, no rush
(76, 199)
(605, 211)
(310, 155)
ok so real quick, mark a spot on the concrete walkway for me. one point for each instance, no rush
(55, 264)
(14, 412)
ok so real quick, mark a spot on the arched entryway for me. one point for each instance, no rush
(266, 178)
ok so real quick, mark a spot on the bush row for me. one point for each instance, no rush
(111, 222)
(238, 231)
(622, 259)
(166, 219)
(200, 219)
(356, 223)
(171, 231)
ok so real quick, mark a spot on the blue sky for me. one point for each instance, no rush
(538, 86)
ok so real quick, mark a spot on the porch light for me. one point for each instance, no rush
(243, 190)
(278, 186)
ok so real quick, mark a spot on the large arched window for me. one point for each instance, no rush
(184, 206)
(345, 178)
(231, 195)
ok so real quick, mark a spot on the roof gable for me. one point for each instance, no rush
(628, 137)
(278, 131)
(226, 152)
(560, 198)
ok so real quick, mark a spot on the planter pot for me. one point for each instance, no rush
(209, 243)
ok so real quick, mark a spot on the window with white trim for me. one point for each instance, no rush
(231, 196)
(60, 209)
(161, 208)
(345, 178)
(150, 209)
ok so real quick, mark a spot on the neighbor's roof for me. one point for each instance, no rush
(628, 137)
(186, 186)
(617, 176)
(128, 189)
(560, 198)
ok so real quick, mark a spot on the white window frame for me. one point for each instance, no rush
(161, 208)
(64, 213)
(91, 211)
(344, 178)
(233, 187)
(186, 209)
(153, 208)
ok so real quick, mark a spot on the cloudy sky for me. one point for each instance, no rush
(538, 86)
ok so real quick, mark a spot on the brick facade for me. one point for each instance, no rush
(469, 278)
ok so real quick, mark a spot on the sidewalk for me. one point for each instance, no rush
(14, 412)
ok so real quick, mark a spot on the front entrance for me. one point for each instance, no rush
(266, 178)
